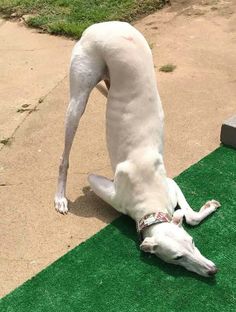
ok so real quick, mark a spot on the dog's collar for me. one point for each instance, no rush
(150, 219)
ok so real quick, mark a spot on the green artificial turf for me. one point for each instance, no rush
(71, 17)
(109, 273)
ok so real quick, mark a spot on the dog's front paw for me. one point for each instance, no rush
(212, 204)
(61, 204)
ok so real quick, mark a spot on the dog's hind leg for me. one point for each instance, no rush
(192, 217)
(85, 73)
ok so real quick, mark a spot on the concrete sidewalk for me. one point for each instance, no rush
(197, 97)
(31, 67)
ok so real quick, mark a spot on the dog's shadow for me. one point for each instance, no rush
(89, 205)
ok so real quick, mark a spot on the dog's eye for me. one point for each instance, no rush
(178, 258)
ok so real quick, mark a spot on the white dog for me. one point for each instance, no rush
(117, 53)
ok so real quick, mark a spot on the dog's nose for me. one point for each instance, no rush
(212, 271)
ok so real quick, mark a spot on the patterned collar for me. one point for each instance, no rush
(150, 219)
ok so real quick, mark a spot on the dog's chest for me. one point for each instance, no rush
(131, 125)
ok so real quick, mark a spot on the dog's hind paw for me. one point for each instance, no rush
(212, 203)
(61, 204)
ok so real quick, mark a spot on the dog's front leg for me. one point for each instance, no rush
(192, 217)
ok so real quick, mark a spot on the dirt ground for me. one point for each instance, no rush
(199, 38)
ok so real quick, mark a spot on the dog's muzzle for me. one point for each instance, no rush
(150, 219)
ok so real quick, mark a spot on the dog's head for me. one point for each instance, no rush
(171, 243)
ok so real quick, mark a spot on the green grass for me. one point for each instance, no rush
(108, 273)
(71, 17)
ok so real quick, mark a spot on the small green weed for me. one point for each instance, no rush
(6, 141)
(168, 68)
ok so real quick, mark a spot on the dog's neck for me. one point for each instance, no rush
(149, 231)
(149, 220)
(160, 206)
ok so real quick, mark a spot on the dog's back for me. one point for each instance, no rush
(118, 52)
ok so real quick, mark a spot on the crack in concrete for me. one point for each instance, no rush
(32, 50)
(34, 108)
(9, 184)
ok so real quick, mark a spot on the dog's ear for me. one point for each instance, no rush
(103, 187)
(122, 179)
(123, 170)
(149, 245)
(178, 217)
